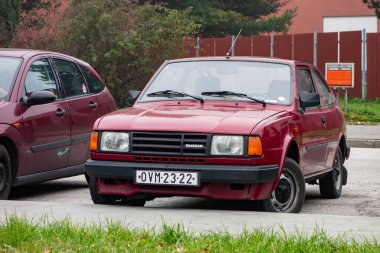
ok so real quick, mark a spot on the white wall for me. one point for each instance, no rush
(339, 24)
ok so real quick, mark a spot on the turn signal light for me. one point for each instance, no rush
(255, 148)
(94, 141)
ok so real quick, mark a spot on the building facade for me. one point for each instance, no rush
(332, 16)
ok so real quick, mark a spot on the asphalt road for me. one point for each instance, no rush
(361, 195)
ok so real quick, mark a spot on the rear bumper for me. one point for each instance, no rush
(207, 173)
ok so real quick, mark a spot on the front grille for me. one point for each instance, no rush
(171, 144)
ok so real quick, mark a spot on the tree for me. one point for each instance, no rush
(373, 4)
(226, 17)
(124, 42)
(9, 18)
(37, 23)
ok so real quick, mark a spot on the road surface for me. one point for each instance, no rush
(360, 197)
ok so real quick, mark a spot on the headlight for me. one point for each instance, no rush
(227, 145)
(114, 141)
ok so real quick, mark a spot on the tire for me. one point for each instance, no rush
(5, 173)
(330, 186)
(105, 199)
(289, 194)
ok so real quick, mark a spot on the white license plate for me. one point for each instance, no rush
(157, 177)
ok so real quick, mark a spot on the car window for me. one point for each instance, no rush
(95, 85)
(8, 71)
(325, 93)
(267, 81)
(71, 78)
(304, 81)
(40, 78)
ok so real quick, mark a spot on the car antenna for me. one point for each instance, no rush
(233, 44)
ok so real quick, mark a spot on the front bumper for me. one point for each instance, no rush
(207, 173)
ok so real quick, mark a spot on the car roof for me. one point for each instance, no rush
(238, 58)
(29, 53)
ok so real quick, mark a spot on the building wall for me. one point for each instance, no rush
(310, 13)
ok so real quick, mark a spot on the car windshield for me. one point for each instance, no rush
(219, 80)
(8, 70)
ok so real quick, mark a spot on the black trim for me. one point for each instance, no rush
(50, 175)
(51, 145)
(316, 175)
(80, 139)
(320, 145)
(60, 144)
(207, 173)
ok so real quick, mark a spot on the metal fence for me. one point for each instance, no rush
(314, 48)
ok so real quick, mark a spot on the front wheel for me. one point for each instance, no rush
(105, 199)
(5, 173)
(289, 194)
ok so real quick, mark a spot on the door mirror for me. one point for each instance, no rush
(38, 98)
(309, 100)
(133, 95)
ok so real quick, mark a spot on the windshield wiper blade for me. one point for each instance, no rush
(173, 93)
(231, 93)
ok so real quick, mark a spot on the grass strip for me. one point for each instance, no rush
(19, 234)
(361, 111)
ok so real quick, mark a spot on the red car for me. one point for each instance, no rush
(48, 105)
(228, 128)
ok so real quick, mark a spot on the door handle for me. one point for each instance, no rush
(93, 105)
(60, 112)
(323, 120)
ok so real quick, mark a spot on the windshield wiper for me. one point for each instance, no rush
(172, 94)
(230, 93)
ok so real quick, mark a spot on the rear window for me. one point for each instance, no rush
(94, 84)
(9, 67)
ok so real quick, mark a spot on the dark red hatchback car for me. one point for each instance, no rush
(48, 105)
(223, 128)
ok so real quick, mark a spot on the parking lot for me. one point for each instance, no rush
(361, 195)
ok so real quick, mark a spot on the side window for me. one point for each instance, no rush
(327, 96)
(71, 78)
(40, 78)
(95, 85)
(304, 81)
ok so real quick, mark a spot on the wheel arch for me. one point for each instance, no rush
(13, 154)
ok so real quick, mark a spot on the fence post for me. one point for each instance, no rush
(233, 45)
(315, 54)
(272, 45)
(197, 46)
(364, 65)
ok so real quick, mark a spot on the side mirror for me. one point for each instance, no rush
(38, 98)
(133, 95)
(309, 100)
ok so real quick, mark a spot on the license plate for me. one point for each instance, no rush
(155, 177)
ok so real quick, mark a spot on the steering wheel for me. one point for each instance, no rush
(258, 95)
(3, 92)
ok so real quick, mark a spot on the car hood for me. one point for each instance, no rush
(187, 118)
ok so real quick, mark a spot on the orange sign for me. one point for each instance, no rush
(340, 75)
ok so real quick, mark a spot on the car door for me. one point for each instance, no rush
(329, 111)
(47, 126)
(84, 108)
(313, 128)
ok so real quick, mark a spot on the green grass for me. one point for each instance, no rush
(22, 235)
(362, 111)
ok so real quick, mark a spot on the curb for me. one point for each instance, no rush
(363, 143)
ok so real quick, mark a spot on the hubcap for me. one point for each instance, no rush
(2, 176)
(283, 196)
